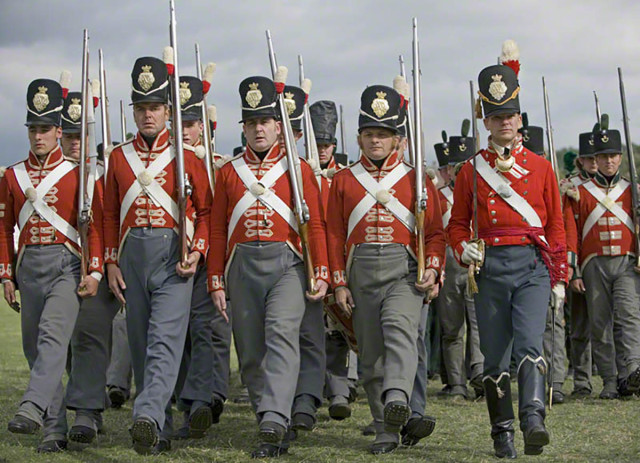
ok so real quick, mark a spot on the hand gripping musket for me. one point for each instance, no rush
(301, 210)
(421, 190)
(474, 268)
(206, 132)
(633, 179)
(554, 166)
(123, 122)
(342, 133)
(310, 146)
(412, 155)
(104, 111)
(183, 186)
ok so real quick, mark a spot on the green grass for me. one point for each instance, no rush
(586, 431)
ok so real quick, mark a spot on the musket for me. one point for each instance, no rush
(310, 146)
(123, 122)
(84, 207)
(104, 111)
(342, 133)
(206, 132)
(633, 179)
(301, 209)
(421, 190)
(184, 189)
(598, 115)
(547, 117)
(412, 155)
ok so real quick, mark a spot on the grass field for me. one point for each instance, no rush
(585, 431)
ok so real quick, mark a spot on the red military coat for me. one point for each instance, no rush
(604, 235)
(62, 198)
(144, 212)
(379, 225)
(259, 223)
(498, 223)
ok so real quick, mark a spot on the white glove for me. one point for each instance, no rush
(557, 296)
(471, 253)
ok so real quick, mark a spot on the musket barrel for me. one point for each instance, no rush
(421, 191)
(598, 114)
(123, 122)
(83, 213)
(474, 124)
(410, 134)
(547, 116)
(206, 134)
(342, 131)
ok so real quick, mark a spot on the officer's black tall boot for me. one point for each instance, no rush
(498, 394)
(531, 399)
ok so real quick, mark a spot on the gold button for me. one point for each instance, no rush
(494, 220)
(495, 240)
(493, 212)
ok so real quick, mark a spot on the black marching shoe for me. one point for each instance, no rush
(303, 422)
(200, 421)
(396, 415)
(217, 407)
(416, 429)
(271, 432)
(531, 399)
(163, 446)
(144, 434)
(268, 451)
(82, 434)
(379, 448)
(633, 381)
(22, 425)
(117, 396)
(52, 446)
(498, 395)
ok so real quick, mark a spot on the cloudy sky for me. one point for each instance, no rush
(346, 45)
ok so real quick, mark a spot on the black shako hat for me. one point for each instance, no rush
(44, 103)
(532, 136)
(606, 141)
(258, 98)
(191, 98)
(585, 143)
(72, 113)
(498, 89)
(324, 119)
(442, 150)
(294, 100)
(461, 147)
(149, 81)
(379, 107)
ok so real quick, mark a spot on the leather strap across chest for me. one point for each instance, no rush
(606, 203)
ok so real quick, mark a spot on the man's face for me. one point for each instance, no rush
(71, 145)
(608, 164)
(191, 131)
(377, 143)
(261, 132)
(503, 127)
(325, 152)
(589, 164)
(444, 174)
(43, 138)
(150, 118)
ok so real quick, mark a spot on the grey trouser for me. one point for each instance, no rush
(337, 350)
(48, 278)
(119, 371)
(157, 316)
(559, 350)
(266, 284)
(312, 359)
(205, 363)
(511, 305)
(87, 361)
(454, 307)
(418, 399)
(386, 318)
(613, 302)
(580, 342)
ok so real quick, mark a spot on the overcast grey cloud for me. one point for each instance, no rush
(346, 45)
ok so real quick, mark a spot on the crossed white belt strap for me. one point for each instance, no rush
(606, 202)
(372, 187)
(157, 194)
(448, 194)
(501, 185)
(39, 205)
(268, 198)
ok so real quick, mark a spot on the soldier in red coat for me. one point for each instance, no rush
(141, 240)
(600, 235)
(519, 218)
(40, 195)
(256, 260)
(372, 250)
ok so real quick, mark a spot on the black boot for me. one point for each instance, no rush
(498, 396)
(531, 399)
